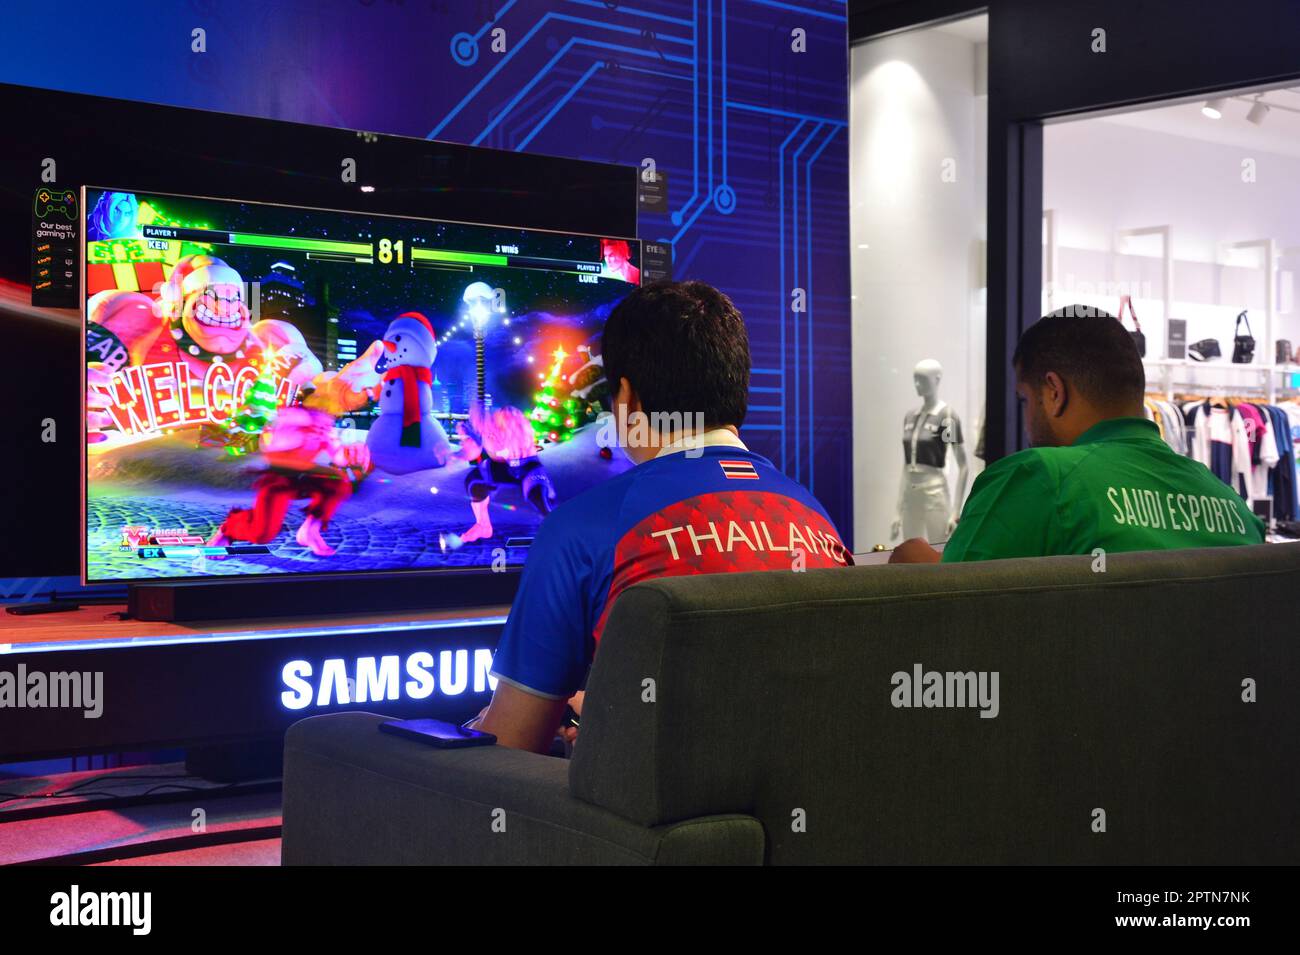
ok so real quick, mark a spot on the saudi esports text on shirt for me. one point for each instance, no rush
(1119, 487)
(1143, 507)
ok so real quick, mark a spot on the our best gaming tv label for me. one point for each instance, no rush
(56, 231)
(278, 390)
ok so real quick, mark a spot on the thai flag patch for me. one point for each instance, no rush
(739, 470)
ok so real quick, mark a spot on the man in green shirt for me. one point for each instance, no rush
(1098, 474)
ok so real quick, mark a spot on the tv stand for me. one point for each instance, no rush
(293, 596)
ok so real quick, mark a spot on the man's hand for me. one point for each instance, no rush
(353, 454)
(470, 447)
(914, 550)
(570, 733)
(521, 720)
(352, 387)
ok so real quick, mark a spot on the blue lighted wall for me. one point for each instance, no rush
(751, 134)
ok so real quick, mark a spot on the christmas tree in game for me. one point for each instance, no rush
(565, 400)
(255, 413)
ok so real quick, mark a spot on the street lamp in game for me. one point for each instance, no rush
(479, 300)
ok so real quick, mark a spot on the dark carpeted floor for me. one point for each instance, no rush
(110, 825)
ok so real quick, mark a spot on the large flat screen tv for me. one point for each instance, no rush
(91, 140)
(278, 390)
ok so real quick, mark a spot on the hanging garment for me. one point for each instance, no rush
(1196, 414)
(1178, 433)
(1253, 422)
(1168, 417)
(1220, 443)
(1261, 442)
(1153, 415)
(1291, 410)
(1282, 478)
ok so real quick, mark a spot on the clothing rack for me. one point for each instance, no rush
(1244, 392)
(1243, 433)
(1176, 376)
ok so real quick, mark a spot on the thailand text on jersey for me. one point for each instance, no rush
(716, 509)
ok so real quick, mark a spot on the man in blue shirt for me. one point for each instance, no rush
(676, 356)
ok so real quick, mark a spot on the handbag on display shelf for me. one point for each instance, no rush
(1139, 339)
(1204, 350)
(1285, 355)
(1243, 346)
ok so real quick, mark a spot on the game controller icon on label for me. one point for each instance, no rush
(60, 201)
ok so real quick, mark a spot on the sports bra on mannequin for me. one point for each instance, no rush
(927, 434)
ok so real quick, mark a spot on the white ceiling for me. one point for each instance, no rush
(1279, 133)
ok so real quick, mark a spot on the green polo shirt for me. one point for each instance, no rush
(1119, 487)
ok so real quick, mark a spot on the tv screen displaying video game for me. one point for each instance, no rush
(274, 389)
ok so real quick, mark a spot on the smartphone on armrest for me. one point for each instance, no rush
(438, 733)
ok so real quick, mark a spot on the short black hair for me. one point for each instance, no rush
(1089, 349)
(684, 348)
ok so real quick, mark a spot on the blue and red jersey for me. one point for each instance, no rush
(717, 509)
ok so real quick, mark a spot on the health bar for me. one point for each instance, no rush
(173, 553)
(554, 265)
(470, 258)
(304, 245)
(287, 242)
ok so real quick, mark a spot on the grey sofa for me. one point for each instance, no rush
(1121, 734)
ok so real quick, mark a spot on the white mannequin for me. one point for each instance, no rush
(925, 508)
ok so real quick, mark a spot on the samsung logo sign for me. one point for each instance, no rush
(373, 679)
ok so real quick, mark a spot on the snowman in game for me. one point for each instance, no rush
(406, 436)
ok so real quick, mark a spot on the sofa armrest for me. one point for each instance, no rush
(355, 796)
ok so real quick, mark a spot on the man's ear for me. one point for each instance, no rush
(627, 396)
(1056, 394)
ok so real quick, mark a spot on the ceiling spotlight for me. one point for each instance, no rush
(1258, 110)
(1214, 108)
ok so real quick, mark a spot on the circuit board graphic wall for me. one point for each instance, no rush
(738, 108)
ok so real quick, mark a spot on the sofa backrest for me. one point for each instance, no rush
(1124, 730)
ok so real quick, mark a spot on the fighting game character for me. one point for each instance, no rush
(406, 437)
(615, 253)
(502, 450)
(114, 217)
(200, 318)
(306, 460)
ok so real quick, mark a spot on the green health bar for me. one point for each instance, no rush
(363, 251)
(284, 242)
(466, 258)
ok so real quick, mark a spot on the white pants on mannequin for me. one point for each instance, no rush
(932, 436)
(926, 507)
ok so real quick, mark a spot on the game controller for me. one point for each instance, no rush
(62, 201)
